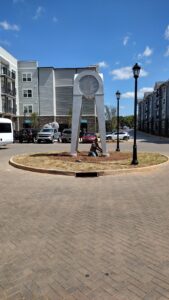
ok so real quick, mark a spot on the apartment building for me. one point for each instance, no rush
(8, 85)
(46, 91)
(153, 110)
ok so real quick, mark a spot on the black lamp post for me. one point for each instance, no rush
(136, 72)
(118, 98)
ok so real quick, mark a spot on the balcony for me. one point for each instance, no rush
(8, 91)
(8, 73)
(9, 110)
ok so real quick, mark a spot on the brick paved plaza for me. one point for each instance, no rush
(84, 238)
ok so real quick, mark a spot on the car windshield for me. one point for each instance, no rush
(89, 134)
(47, 130)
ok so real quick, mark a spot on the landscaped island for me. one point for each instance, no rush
(83, 163)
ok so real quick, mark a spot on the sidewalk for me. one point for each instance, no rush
(84, 238)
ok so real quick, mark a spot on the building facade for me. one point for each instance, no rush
(153, 110)
(46, 91)
(8, 85)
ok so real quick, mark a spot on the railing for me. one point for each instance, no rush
(10, 110)
(8, 73)
(8, 91)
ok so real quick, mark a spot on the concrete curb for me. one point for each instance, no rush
(87, 173)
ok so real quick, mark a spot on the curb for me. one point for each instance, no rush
(87, 173)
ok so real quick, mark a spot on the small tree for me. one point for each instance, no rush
(69, 118)
(110, 116)
(34, 119)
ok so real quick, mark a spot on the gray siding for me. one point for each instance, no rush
(64, 77)
(46, 91)
(27, 64)
(64, 100)
(64, 80)
(88, 106)
(28, 67)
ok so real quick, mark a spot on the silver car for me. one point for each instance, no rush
(66, 135)
(122, 136)
(47, 135)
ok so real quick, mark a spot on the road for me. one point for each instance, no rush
(73, 238)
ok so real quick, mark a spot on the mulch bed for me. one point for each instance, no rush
(83, 157)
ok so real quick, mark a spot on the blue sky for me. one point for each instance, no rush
(112, 33)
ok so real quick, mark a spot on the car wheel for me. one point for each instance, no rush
(125, 138)
(109, 138)
(38, 141)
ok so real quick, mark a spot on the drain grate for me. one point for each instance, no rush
(87, 174)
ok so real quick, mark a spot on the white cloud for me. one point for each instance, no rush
(5, 43)
(55, 20)
(125, 40)
(102, 64)
(146, 53)
(146, 89)
(6, 26)
(166, 33)
(167, 52)
(125, 73)
(129, 95)
(40, 10)
(122, 73)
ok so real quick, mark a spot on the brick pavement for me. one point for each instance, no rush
(84, 239)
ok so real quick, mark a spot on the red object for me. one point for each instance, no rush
(88, 138)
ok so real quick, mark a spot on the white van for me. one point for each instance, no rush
(6, 131)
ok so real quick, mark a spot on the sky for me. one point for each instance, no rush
(115, 34)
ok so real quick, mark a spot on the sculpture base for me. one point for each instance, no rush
(74, 154)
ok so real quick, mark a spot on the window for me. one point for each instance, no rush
(27, 93)
(5, 127)
(27, 77)
(27, 109)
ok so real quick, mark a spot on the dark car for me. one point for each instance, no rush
(15, 136)
(28, 135)
(88, 137)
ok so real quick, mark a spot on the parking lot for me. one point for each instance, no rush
(73, 238)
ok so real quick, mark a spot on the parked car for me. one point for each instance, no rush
(15, 136)
(88, 137)
(66, 135)
(47, 135)
(122, 136)
(28, 135)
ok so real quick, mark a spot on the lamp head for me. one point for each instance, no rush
(118, 95)
(136, 70)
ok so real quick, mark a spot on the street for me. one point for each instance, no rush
(71, 238)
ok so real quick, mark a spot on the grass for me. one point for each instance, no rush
(63, 161)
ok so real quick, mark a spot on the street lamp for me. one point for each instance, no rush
(136, 72)
(118, 98)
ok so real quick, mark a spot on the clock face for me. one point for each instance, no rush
(88, 85)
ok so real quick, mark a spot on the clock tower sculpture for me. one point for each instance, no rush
(88, 84)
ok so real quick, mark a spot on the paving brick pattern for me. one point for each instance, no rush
(84, 239)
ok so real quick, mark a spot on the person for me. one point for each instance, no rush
(94, 148)
(80, 136)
